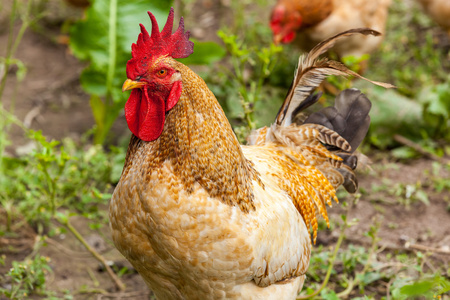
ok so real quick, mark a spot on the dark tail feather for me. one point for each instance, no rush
(349, 117)
(350, 182)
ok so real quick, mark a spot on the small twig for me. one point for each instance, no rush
(92, 291)
(407, 142)
(67, 251)
(390, 264)
(38, 242)
(388, 289)
(384, 201)
(429, 265)
(351, 284)
(406, 247)
(31, 115)
(426, 248)
(93, 278)
(100, 258)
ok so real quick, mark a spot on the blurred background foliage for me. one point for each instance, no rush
(52, 183)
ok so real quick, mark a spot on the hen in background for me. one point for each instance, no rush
(202, 217)
(439, 11)
(307, 22)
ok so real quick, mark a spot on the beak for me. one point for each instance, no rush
(130, 84)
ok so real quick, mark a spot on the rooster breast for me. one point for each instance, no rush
(187, 245)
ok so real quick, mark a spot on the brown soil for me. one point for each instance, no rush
(51, 99)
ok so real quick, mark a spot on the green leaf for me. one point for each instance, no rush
(428, 287)
(370, 277)
(93, 82)
(417, 288)
(436, 99)
(62, 218)
(438, 107)
(98, 108)
(404, 152)
(422, 196)
(328, 295)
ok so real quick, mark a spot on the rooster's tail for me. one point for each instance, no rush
(323, 145)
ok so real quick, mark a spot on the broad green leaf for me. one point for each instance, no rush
(404, 152)
(436, 99)
(417, 288)
(328, 295)
(98, 108)
(422, 196)
(439, 107)
(370, 277)
(93, 82)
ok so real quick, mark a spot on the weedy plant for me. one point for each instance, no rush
(27, 277)
(249, 87)
(55, 176)
(54, 183)
(405, 194)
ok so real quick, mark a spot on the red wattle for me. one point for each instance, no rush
(145, 113)
(145, 116)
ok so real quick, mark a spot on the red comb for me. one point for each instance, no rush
(176, 45)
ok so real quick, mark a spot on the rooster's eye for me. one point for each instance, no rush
(162, 72)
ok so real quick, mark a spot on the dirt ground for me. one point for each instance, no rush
(51, 99)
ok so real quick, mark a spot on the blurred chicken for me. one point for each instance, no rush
(202, 217)
(439, 11)
(314, 21)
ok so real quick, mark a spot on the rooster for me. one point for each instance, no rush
(314, 21)
(199, 215)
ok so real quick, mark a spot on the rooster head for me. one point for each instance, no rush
(156, 85)
(284, 23)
